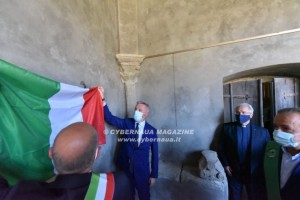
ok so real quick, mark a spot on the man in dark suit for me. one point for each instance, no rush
(137, 138)
(241, 150)
(283, 175)
(73, 154)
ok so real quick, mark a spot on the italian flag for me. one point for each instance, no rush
(33, 110)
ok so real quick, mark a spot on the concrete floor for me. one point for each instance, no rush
(165, 189)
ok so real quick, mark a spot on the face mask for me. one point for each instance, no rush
(242, 118)
(138, 116)
(284, 139)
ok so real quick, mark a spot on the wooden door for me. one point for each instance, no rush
(286, 93)
(243, 92)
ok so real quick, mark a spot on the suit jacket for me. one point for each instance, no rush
(130, 157)
(228, 148)
(65, 187)
(291, 191)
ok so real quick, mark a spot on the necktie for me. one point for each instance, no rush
(137, 134)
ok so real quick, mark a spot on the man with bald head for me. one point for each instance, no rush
(283, 171)
(73, 154)
(75, 149)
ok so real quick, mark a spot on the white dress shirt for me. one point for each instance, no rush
(288, 163)
(140, 131)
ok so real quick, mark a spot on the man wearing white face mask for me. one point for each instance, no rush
(241, 151)
(282, 159)
(139, 137)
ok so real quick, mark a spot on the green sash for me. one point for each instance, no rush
(91, 193)
(272, 163)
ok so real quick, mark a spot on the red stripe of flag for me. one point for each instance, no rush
(92, 112)
(110, 186)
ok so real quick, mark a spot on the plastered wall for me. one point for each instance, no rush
(185, 89)
(72, 41)
(68, 41)
(171, 25)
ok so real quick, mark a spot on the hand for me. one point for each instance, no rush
(228, 170)
(151, 181)
(101, 91)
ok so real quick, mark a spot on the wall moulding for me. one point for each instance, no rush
(225, 43)
(130, 65)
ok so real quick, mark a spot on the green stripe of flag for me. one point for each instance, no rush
(24, 124)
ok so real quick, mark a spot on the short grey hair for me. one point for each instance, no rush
(289, 110)
(144, 103)
(247, 105)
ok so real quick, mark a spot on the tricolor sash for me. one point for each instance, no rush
(102, 187)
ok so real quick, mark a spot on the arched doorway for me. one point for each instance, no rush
(267, 95)
(267, 89)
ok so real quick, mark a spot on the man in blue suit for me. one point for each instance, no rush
(137, 137)
(286, 155)
(241, 152)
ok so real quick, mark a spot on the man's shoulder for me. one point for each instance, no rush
(149, 126)
(129, 120)
(258, 127)
(230, 124)
(273, 144)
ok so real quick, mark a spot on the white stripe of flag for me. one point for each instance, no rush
(102, 185)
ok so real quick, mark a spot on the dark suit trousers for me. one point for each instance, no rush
(143, 188)
(254, 190)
